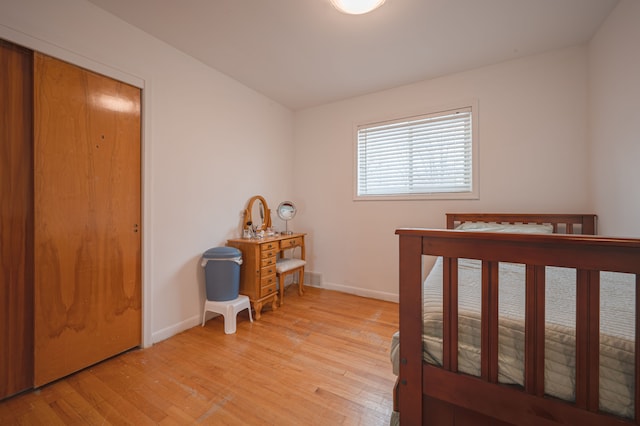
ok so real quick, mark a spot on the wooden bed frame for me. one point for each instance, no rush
(431, 395)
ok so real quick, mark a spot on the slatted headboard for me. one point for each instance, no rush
(562, 223)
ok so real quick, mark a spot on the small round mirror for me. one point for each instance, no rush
(287, 211)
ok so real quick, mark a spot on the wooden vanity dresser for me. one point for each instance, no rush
(258, 270)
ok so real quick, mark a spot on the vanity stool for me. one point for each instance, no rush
(229, 310)
(289, 266)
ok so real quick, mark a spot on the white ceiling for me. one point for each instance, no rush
(303, 53)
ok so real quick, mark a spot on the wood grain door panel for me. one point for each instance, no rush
(87, 216)
(16, 219)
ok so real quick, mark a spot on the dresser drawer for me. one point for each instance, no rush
(267, 261)
(267, 290)
(290, 242)
(267, 280)
(268, 253)
(273, 245)
(268, 270)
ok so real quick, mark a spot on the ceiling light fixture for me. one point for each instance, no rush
(356, 7)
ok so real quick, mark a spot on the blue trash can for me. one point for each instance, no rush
(222, 273)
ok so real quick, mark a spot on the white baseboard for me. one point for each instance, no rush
(172, 330)
(373, 294)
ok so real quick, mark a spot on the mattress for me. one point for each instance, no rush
(617, 317)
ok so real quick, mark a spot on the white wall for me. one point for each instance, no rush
(533, 158)
(614, 115)
(210, 143)
(202, 161)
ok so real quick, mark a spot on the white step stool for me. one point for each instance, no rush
(229, 310)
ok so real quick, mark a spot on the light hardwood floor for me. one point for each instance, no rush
(321, 359)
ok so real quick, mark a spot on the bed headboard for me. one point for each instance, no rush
(562, 223)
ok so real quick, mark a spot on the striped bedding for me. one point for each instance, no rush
(617, 294)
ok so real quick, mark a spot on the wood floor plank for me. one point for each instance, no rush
(70, 406)
(321, 359)
(125, 381)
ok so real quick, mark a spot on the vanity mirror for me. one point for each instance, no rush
(257, 213)
(286, 211)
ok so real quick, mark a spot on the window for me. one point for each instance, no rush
(427, 156)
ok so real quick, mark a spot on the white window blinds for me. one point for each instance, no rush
(429, 154)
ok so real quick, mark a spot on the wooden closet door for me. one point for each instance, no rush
(87, 213)
(16, 219)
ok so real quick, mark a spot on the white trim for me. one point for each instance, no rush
(147, 217)
(409, 197)
(174, 329)
(372, 294)
(66, 55)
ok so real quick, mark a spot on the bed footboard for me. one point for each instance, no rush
(428, 394)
